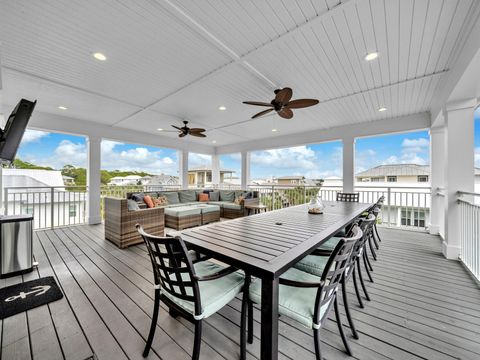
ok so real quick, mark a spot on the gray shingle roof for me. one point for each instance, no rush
(396, 170)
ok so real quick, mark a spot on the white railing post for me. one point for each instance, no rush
(52, 192)
(273, 197)
(5, 201)
(389, 193)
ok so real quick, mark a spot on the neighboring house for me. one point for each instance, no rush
(163, 180)
(41, 193)
(291, 180)
(401, 173)
(129, 180)
(202, 176)
(68, 180)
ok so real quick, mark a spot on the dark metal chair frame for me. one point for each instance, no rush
(332, 276)
(170, 260)
(348, 197)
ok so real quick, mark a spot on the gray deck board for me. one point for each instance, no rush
(423, 307)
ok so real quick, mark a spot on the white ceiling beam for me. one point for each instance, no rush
(63, 124)
(236, 58)
(372, 128)
(465, 52)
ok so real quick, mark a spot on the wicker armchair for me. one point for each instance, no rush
(120, 223)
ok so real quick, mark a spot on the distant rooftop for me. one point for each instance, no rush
(206, 168)
(32, 178)
(291, 178)
(396, 170)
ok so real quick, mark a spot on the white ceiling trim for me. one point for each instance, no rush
(400, 124)
(63, 124)
(236, 58)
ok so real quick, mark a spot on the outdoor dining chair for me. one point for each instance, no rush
(307, 298)
(191, 290)
(348, 197)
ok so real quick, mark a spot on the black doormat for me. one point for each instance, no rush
(28, 295)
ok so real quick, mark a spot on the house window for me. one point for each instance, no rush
(422, 178)
(377, 179)
(293, 182)
(209, 177)
(406, 220)
(419, 218)
(72, 210)
(391, 179)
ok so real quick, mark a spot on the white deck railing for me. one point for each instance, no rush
(51, 206)
(470, 232)
(405, 207)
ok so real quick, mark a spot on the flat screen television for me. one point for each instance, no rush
(12, 134)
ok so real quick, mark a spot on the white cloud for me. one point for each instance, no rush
(416, 143)
(199, 160)
(33, 135)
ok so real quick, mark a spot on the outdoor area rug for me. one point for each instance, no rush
(28, 295)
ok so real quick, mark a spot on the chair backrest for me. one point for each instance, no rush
(334, 270)
(348, 197)
(173, 267)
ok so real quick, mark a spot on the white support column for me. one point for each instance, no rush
(348, 164)
(459, 168)
(183, 168)
(215, 170)
(94, 146)
(437, 180)
(245, 169)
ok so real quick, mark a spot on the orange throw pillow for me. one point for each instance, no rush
(148, 200)
(203, 197)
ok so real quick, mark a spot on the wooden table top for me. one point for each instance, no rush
(268, 244)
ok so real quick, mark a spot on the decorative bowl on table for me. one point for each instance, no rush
(316, 206)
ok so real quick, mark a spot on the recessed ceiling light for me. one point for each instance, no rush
(99, 56)
(222, 108)
(62, 107)
(382, 109)
(214, 141)
(274, 130)
(159, 129)
(371, 56)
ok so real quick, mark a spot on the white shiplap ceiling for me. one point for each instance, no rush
(172, 60)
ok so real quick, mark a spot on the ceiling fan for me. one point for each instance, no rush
(282, 104)
(185, 130)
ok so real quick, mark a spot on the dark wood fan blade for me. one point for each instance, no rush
(176, 127)
(258, 103)
(261, 113)
(182, 135)
(198, 134)
(196, 130)
(286, 113)
(283, 96)
(301, 103)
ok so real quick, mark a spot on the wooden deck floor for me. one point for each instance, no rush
(423, 306)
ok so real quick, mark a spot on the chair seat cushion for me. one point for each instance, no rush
(330, 244)
(294, 302)
(214, 294)
(312, 264)
(209, 208)
(180, 211)
(232, 206)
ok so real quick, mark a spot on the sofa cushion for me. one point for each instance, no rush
(227, 195)
(214, 196)
(138, 197)
(238, 193)
(180, 211)
(209, 208)
(239, 200)
(186, 196)
(247, 194)
(229, 205)
(132, 205)
(172, 197)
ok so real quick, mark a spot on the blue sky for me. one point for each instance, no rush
(313, 161)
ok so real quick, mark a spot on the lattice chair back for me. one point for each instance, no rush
(367, 226)
(173, 267)
(348, 197)
(333, 273)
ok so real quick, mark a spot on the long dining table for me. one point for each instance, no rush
(266, 245)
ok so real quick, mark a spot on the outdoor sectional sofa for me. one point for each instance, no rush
(183, 198)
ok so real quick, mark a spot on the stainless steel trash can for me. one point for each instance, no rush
(16, 253)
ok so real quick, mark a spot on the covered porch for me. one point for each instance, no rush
(423, 307)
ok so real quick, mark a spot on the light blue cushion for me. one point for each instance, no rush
(330, 244)
(132, 205)
(209, 208)
(172, 197)
(186, 196)
(232, 206)
(227, 195)
(180, 211)
(214, 294)
(312, 264)
(296, 303)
